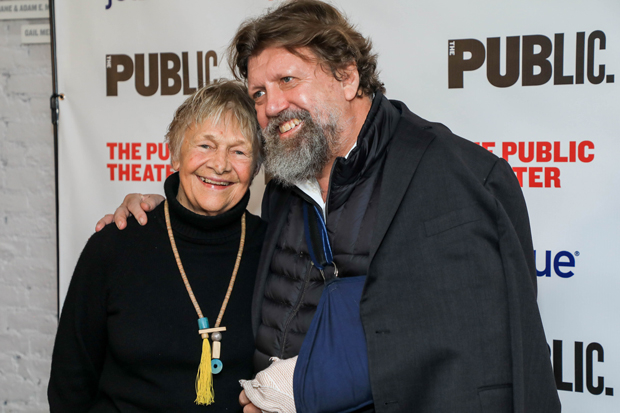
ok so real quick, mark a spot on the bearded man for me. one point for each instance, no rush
(437, 224)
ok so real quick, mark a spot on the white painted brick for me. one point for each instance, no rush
(13, 296)
(15, 388)
(26, 272)
(26, 225)
(41, 298)
(13, 153)
(13, 109)
(41, 345)
(35, 370)
(27, 407)
(33, 84)
(23, 153)
(21, 177)
(27, 257)
(12, 342)
(4, 29)
(14, 246)
(44, 249)
(4, 126)
(4, 324)
(6, 255)
(30, 319)
(11, 201)
(40, 111)
(8, 365)
(14, 29)
(11, 57)
(39, 56)
(4, 80)
(35, 131)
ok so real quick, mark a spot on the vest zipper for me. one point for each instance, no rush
(300, 300)
(329, 187)
(307, 278)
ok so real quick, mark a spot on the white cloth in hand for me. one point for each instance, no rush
(272, 389)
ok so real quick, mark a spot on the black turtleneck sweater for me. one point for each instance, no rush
(128, 338)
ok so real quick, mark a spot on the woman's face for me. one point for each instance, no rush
(215, 167)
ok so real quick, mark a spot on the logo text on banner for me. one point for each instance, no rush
(168, 73)
(529, 57)
(541, 152)
(585, 355)
(556, 262)
(153, 171)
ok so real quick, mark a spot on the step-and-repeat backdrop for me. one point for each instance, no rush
(533, 82)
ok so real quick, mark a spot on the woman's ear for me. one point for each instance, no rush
(174, 163)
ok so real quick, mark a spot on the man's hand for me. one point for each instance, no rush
(248, 407)
(135, 204)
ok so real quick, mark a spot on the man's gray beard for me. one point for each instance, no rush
(305, 154)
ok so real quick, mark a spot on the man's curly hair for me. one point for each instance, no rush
(311, 24)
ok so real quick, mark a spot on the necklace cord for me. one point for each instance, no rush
(188, 287)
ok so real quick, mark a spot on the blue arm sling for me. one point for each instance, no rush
(331, 374)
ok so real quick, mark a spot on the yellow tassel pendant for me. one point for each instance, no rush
(204, 378)
(208, 366)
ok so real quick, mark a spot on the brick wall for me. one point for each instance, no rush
(27, 222)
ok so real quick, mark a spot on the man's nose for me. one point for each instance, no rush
(276, 102)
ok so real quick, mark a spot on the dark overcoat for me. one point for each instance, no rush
(449, 307)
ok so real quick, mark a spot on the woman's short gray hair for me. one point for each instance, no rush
(214, 102)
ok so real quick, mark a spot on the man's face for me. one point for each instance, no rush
(298, 106)
(279, 80)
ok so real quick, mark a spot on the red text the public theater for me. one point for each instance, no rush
(549, 155)
(143, 161)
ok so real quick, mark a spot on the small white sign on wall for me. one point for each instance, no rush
(35, 33)
(25, 9)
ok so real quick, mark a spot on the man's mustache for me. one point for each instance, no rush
(273, 127)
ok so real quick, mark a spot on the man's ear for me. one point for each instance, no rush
(256, 170)
(350, 81)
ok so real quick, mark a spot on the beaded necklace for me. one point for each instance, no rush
(210, 362)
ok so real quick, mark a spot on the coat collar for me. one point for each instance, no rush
(372, 142)
(408, 144)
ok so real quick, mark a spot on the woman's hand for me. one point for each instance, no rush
(135, 204)
(248, 407)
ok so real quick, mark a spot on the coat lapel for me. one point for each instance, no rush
(402, 160)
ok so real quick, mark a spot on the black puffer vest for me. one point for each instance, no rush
(294, 286)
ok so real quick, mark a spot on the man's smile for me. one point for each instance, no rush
(289, 125)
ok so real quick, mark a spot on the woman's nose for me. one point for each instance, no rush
(220, 162)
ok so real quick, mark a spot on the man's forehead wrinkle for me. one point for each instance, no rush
(271, 62)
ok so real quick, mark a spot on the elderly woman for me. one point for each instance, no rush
(128, 339)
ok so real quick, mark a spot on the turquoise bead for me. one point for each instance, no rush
(216, 366)
(203, 323)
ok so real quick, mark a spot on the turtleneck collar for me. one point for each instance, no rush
(372, 141)
(202, 227)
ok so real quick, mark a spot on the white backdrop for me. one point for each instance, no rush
(554, 118)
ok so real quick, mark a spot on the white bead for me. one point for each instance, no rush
(216, 350)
